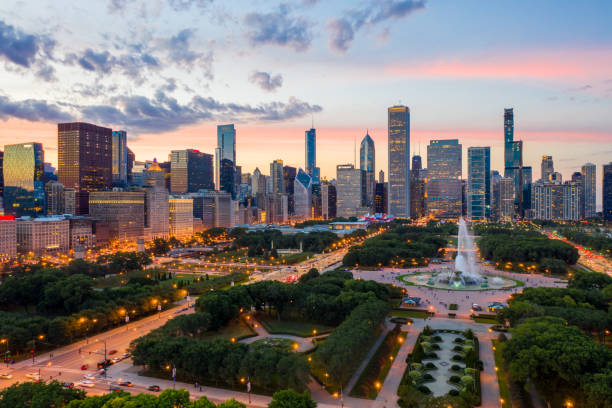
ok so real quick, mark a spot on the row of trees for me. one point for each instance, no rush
(594, 241)
(53, 394)
(507, 244)
(399, 245)
(553, 342)
(259, 241)
(354, 337)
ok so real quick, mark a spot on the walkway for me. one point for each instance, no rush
(304, 343)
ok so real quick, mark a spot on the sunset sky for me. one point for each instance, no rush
(169, 71)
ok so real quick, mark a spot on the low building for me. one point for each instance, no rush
(124, 211)
(8, 238)
(180, 216)
(81, 232)
(43, 235)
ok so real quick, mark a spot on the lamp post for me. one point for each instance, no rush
(6, 354)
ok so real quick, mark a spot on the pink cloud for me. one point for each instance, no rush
(540, 64)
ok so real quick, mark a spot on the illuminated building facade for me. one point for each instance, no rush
(399, 159)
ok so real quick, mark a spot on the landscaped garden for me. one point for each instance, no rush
(443, 367)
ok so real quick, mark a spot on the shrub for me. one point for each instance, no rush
(435, 347)
(424, 389)
(453, 306)
(432, 355)
(459, 340)
(428, 377)
(457, 357)
(502, 337)
(453, 393)
(455, 379)
(456, 367)
(427, 331)
(452, 315)
(458, 349)
(436, 339)
(431, 366)
(469, 334)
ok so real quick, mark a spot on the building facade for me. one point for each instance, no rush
(479, 183)
(302, 196)
(8, 238)
(84, 160)
(226, 149)
(606, 181)
(399, 159)
(54, 198)
(444, 194)
(311, 152)
(119, 154)
(43, 235)
(589, 172)
(349, 189)
(546, 168)
(328, 201)
(180, 210)
(23, 167)
(367, 164)
(123, 211)
(190, 171)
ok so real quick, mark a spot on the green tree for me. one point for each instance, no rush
(38, 395)
(291, 399)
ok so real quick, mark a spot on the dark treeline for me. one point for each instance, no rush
(400, 245)
(503, 244)
(594, 241)
(554, 340)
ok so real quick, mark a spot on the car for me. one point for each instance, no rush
(154, 388)
(126, 355)
(90, 376)
(32, 376)
(68, 385)
(116, 360)
(476, 307)
(86, 383)
(104, 364)
(112, 352)
(84, 366)
(6, 376)
(114, 388)
(125, 383)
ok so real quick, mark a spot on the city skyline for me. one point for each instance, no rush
(131, 78)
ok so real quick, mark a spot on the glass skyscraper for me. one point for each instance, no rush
(607, 192)
(367, 163)
(23, 167)
(190, 171)
(276, 176)
(311, 151)
(444, 191)
(588, 176)
(479, 183)
(508, 137)
(120, 156)
(226, 148)
(399, 159)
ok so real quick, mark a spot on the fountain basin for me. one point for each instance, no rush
(433, 280)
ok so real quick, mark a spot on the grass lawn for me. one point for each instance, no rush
(294, 327)
(236, 329)
(284, 344)
(417, 313)
(485, 320)
(502, 379)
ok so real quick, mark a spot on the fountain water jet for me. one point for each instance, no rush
(465, 271)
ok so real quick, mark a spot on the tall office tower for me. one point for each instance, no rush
(417, 166)
(506, 199)
(190, 171)
(289, 174)
(547, 168)
(380, 198)
(302, 186)
(381, 176)
(43, 235)
(277, 208)
(276, 176)
(589, 171)
(444, 194)
(180, 211)
(606, 199)
(515, 172)
(24, 192)
(54, 198)
(316, 201)
(508, 138)
(555, 177)
(527, 179)
(8, 238)
(328, 200)
(349, 189)
(417, 197)
(479, 183)
(226, 149)
(120, 156)
(495, 177)
(69, 201)
(316, 175)
(227, 177)
(1, 175)
(311, 152)
(367, 164)
(245, 178)
(156, 203)
(399, 159)
(124, 211)
(131, 158)
(218, 209)
(84, 160)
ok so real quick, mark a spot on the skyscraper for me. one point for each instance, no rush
(124, 211)
(479, 183)
(1, 174)
(276, 176)
(120, 156)
(190, 171)
(311, 151)
(54, 198)
(399, 159)
(84, 160)
(226, 149)
(589, 171)
(348, 189)
(367, 164)
(23, 186)
(381, 176)
(547, 168)
(380, 199)
(607, 192)
(508, 137)
(506, 199)
(328, 200)
(444, 194)
(289, 174)
(302, 195)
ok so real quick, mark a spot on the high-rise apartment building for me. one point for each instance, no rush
(190, 171)
(606, 181)
(367, 164)
(444, 194)
(302, 196)
(349, 189)
(43, 235)
(277, 208)
(276, 177)
(84, 160)
(589, 172)
(124, 211)
(120, 156)
(289, 174)
(23, 179)
(226, 149)
(311, 152)
(328, 200)
(556, 201)
(479, 183)
(156, 203)
(505, 199)
(380, 198)
(54, 198)
(508, 137)
(8, 238)
(381, 176)
(180, 211)
(547, 168)
(399, 159)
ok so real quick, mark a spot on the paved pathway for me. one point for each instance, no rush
(304, 343)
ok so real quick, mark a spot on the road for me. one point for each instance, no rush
(590, 259)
